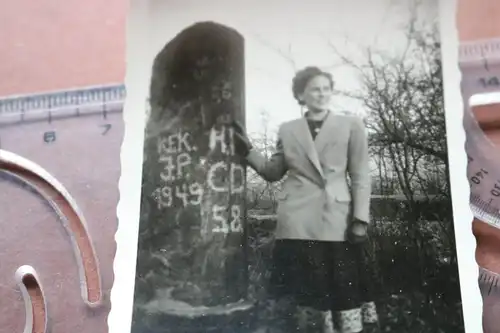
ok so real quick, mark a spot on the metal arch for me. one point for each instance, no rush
(59, 198)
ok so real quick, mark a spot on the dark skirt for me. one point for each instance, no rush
(325, 276)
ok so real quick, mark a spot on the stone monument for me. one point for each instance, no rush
(192, 267)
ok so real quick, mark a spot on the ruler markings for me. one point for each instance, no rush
(480, 65)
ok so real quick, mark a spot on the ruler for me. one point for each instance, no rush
(480, 66)
(59, 219)
(483, 163)
(489, 283)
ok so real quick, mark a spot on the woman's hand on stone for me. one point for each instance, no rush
(242, 144)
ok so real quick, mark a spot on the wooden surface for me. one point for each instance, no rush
(478, 19)
(57, 45)
(49, 45)
(86, 162)
(52, 44)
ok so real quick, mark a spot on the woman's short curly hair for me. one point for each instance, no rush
(303, 77)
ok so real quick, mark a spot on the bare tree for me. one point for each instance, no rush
(262, 194)
(403, 99)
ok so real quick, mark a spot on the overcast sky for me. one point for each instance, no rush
(304, 28)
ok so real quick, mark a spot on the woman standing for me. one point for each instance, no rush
(322, 219)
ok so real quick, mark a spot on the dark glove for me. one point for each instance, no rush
(357, 232)
(242, 144)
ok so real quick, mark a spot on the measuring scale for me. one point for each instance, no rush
(59, 172)
(480, 65)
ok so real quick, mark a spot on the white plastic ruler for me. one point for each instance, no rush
(480, 66)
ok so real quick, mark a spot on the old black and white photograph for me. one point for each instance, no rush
(295, 173)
